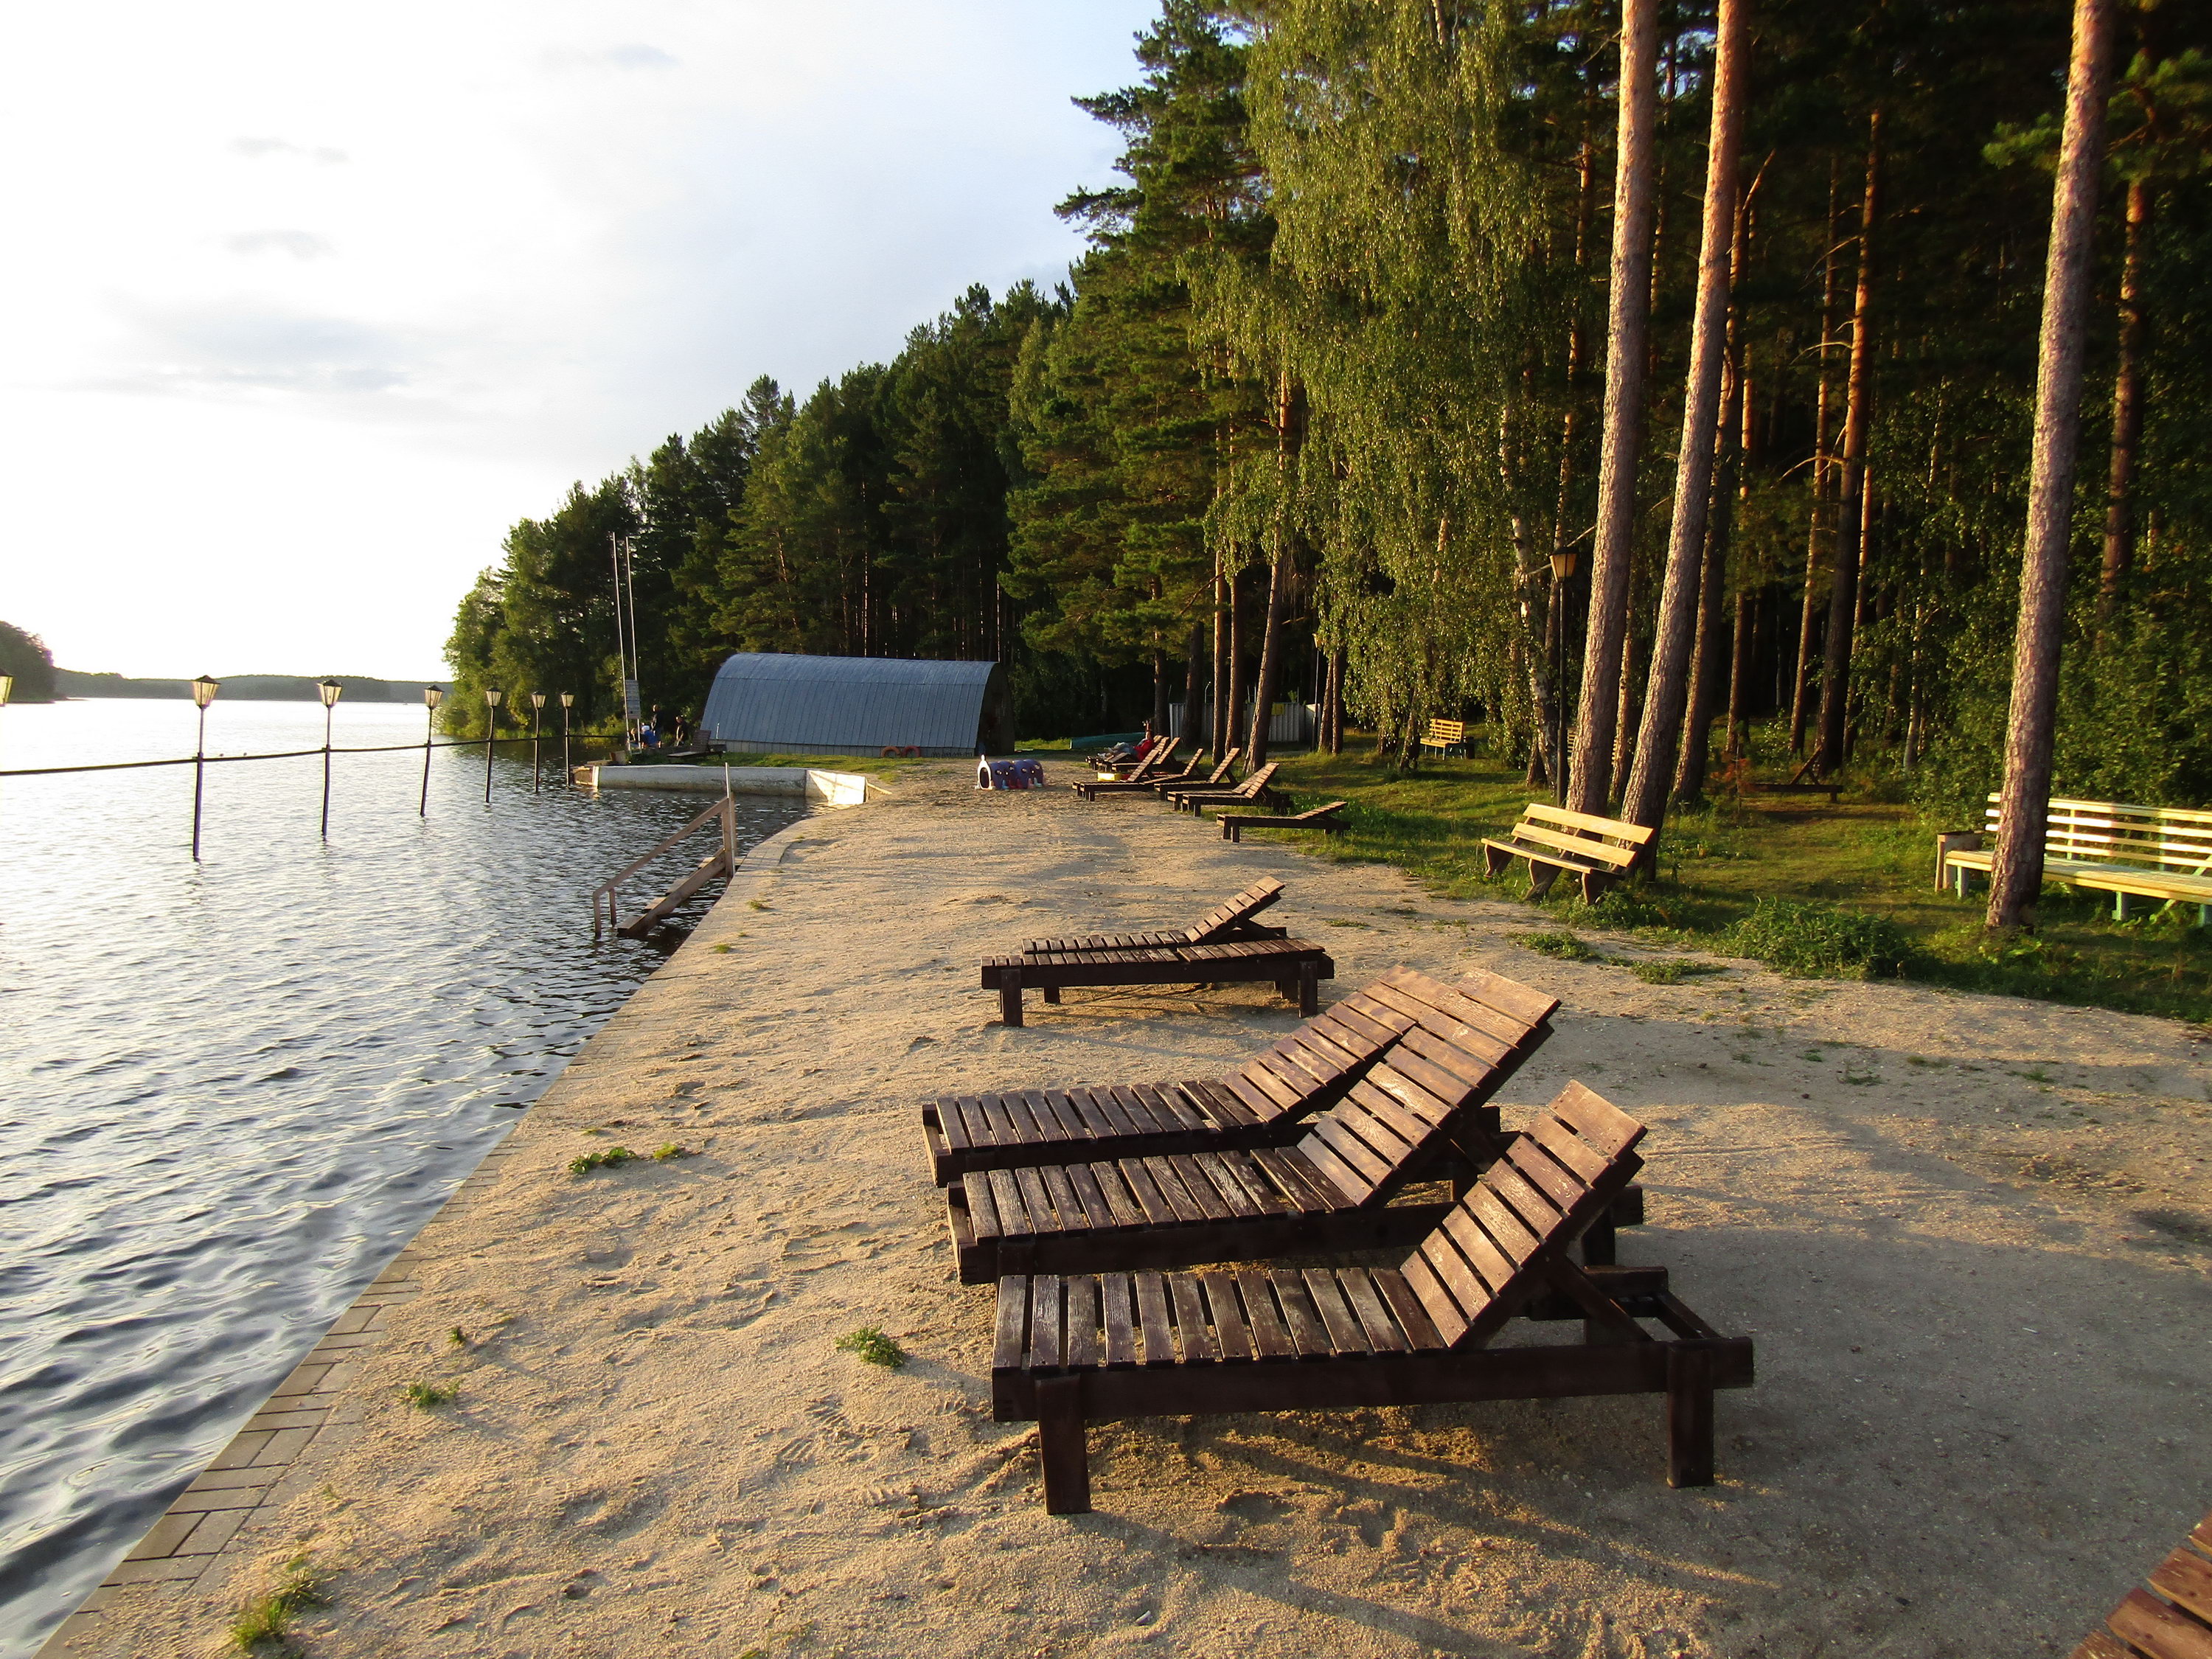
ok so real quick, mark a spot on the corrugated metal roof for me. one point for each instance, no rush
(772, 703)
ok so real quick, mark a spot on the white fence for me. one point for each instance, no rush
(1291, 722)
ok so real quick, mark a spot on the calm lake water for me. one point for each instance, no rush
(230, 1091)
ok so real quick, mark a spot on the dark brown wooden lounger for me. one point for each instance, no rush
(1324, 819)
(2173, 1619)
(1480, 1029)
(1229, 920)
(1194, 776)
(1295, 967)
(1413, 1116)
(1145, 768)
(1097, 1346)
(1254, 788)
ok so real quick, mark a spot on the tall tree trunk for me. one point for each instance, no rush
(1851, 524)
(1659, 743)
(1800, 696)
(2024, 809)
(1625, 326)
(1740, 666)
(1237, 642)
(1225, 673)
(1159, 693)
(1193, 723)
(2127, 406)
(1289, 434)
(1631, 683)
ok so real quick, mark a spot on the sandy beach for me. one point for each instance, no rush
(1971, 1237)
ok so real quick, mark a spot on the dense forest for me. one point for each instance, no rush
(1740, 308)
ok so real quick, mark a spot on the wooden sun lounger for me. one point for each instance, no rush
(1093, 1347)
(1480, 1030)
(2172, 1620)
(1253, 788)
(1231, 919)
(1324, 819)
(1145, 768)
(1413, 1116)
(1294, 966)
(1194, 776)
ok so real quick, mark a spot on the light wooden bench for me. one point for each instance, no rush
(2162, 852)
(2172, 1620)
(1446, 736)
(1324, 819)
(1601, 851)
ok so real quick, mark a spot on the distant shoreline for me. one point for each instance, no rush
(72, 685)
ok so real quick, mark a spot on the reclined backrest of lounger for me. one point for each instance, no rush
(1489, 1256)
(1251, 788)
(1157, 759)
(1242, 907)
(1219, 775)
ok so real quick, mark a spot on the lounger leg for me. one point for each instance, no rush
(1049, 993)
(1689, 1415)
(1601, 1243)
(1062, 1443)
(1010, 996)
(1309, 989)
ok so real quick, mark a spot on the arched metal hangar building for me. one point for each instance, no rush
(771, 703)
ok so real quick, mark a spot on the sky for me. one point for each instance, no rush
(305, 305)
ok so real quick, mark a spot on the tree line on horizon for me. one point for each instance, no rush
(1742, 306)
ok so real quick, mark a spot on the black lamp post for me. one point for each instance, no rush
(328, 690)
(568, 771)
(492, 696)
(1562, 565)
(536, 709)
(203, 690)
(432, 696)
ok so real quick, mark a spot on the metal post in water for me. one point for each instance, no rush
(203, 690)
(432, 696)
(329, 691)
(567, 768)
(492, 695)
(536, 709)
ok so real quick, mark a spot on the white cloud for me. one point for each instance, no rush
(310, 456)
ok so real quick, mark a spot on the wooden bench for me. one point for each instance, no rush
(2162, 852)
(1599, 850)
(2173, 1619)
(1254, 788)
(1324, 818)
(1487, 1026)
(1446, 736)
(1097, 1345)
(1192, 776)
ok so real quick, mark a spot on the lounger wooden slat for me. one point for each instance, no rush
(1335, 1185)
(1231, 919)
(1254, 788)
(1419, 1333)
(1267, 1097)
(1297, 965)
(2170, 1619)
(1326, 819)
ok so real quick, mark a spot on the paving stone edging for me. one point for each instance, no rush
(248, 1478)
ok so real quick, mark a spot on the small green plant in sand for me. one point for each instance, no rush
(756, 904)
(613, 1157)
(427, 1396)
(1344, 921)
(263, 1625)
(662, 1154)
(723, 950)
(457, 1337)
(873, 1346)
(1563, 946)
(1669, 971)
(1821, 940)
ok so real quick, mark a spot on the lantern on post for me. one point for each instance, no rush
(203, 690)
(536, 709)
(492, 696)
(432, 696)
(329, 691)
(568, 771)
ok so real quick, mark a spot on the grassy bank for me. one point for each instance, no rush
(1715, 865)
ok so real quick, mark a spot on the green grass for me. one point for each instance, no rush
(1563, 946)
(613, 1157)
(263, 1625)
(1858, 858)
(873, 1346)
(427, 1396)
(663, 1154)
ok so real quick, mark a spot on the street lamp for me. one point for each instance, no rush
(537, 709)
(568, 701)
(328, 690)
(203, 690)
(432, 696)
(492, 696)
(1563, 567)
